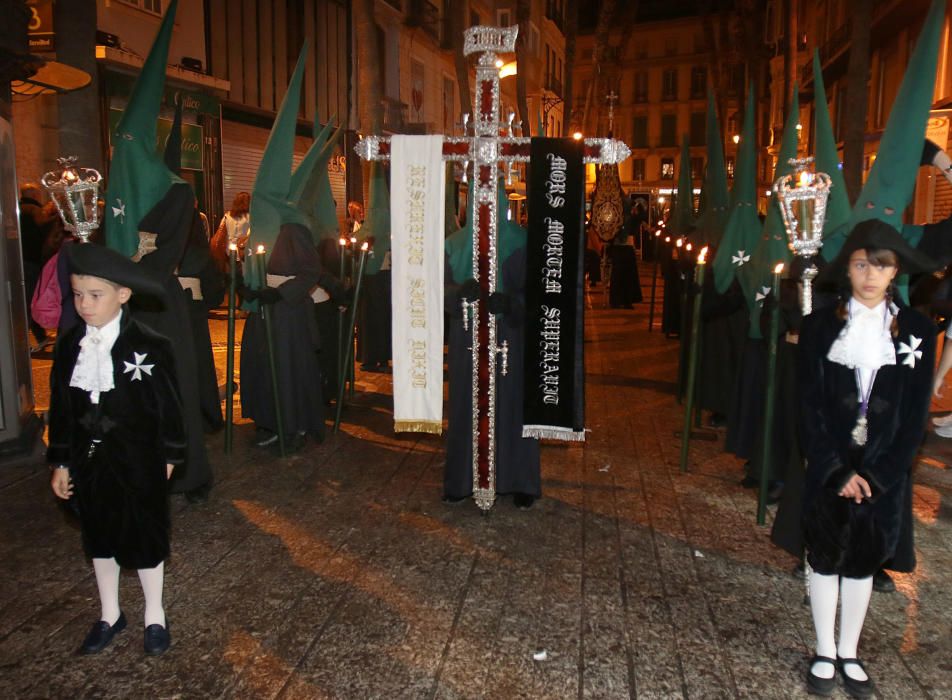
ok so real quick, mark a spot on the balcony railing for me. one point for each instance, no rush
(554, 86)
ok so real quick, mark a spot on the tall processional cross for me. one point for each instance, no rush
(488, 148)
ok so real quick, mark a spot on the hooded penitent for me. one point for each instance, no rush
(138, 177)
(742, 231)
(682, 220)
(271, 201)
(311, 186)
(827, 160)
(892, 179)
(377, 223)
(755, 277)
(459, 245)
(714, 195)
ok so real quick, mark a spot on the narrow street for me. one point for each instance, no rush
(338, 572)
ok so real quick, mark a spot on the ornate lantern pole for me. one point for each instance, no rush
(75, 191)
(802, 196)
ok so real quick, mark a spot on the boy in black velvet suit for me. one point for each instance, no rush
(115, 434)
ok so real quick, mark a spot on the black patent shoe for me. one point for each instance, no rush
(856, 688)
(523, 501)
(199, 494)
(817, 685)
(156, 639)
(101, 634)
(883, 583)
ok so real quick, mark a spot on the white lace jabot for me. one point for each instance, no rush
(93, 370)
(865, 343)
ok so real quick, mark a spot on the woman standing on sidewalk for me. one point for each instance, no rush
(865, 372)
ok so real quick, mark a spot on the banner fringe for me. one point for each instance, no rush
(433, 427)
(553, 433)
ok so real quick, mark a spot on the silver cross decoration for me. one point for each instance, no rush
(491, 145)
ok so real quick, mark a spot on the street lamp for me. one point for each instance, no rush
(802, 195)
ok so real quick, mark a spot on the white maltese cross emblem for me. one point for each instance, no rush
(120, 211)
(137, 368)
(911, 351)
(740, 258)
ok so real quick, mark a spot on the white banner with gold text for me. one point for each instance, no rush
(417, 210)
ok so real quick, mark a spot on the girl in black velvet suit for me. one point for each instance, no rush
(865, 372)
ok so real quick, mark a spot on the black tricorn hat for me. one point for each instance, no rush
(108, 264)
(877, 234)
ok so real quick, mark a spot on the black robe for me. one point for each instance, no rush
(296, 342)
(171, 219)
(518, 467)
(374, 330)
(329, 326)
(724, 322)
(120, 482)
(625, 286)
(198, 263)
(843, 537)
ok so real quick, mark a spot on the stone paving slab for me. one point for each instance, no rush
(338, 573)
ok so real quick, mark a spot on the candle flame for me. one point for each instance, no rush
(804, 179)
(365, 246)
(342, 241)
(232, 246)
(702, 256)
(688, 247)
(667, 239)
(680, 242)
(657, 233)
(353, 239)
(777, 270)
(260, 249)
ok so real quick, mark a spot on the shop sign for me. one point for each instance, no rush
(192, 139)
(40, 26)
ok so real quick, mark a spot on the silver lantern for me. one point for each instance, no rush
(802, 197)
(75, 191)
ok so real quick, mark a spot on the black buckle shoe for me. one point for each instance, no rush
(817, 685)
(101, 634)
(156, 639)
(856, 688)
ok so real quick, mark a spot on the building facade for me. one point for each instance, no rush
(659, 95)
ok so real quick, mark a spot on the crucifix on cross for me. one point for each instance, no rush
(491, 144)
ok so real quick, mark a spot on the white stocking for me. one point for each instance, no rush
(854, 601)
(824, 591)
(107, 581)
(152, 581)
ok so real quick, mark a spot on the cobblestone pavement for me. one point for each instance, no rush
(338, 573)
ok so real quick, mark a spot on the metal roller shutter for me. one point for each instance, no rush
(242, 146)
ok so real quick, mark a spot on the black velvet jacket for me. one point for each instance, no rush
(120, 481)
(843, 537)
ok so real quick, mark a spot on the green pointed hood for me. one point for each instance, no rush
(888, 189)
(459, 245)
(682, 219)
(742, 231)
(313, 193)
(271, 204)
(138, 177)
(715, 198)
(827, 160)
(173, 143)
(772, 248)
(377, 222)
